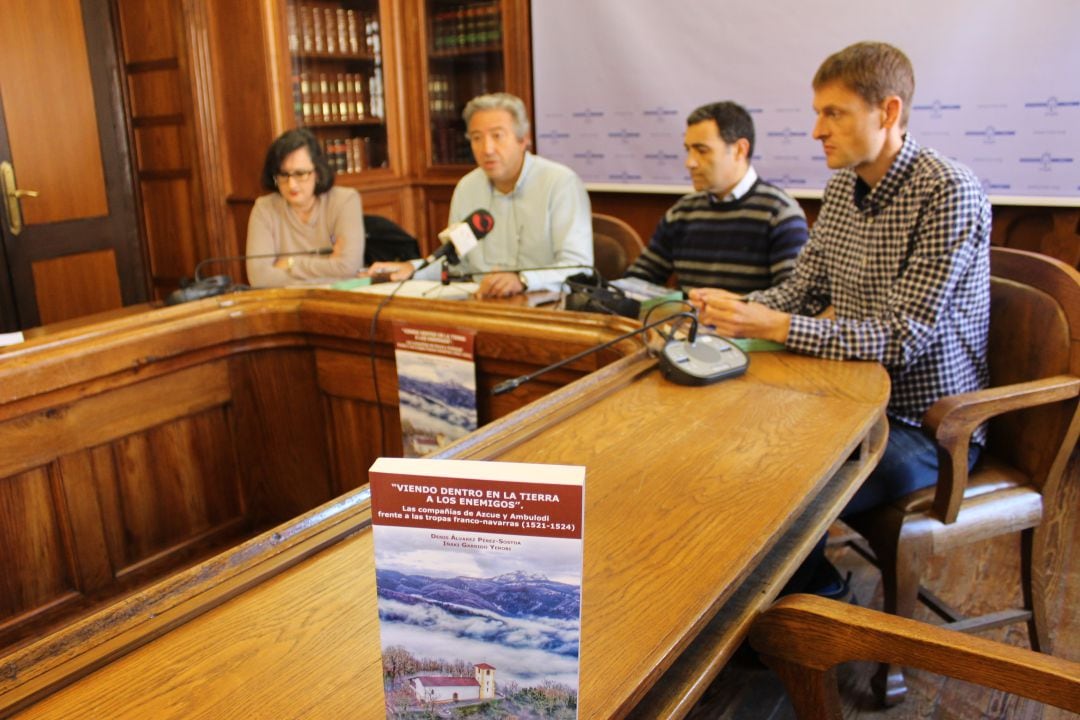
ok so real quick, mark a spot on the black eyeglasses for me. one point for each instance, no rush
(298, 174)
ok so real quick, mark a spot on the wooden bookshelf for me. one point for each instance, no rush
(337, 79)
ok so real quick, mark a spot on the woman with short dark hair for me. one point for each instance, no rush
(303, 213)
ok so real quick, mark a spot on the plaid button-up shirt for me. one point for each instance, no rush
(906, 267)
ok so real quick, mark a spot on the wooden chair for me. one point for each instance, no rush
(804, 637)
(616, 245)
(1031, 406)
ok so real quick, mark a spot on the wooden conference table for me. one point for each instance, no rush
(700, 502)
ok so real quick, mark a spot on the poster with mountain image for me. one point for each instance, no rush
(436, 385)
(478, 569)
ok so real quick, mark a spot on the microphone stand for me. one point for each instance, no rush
(512, 383)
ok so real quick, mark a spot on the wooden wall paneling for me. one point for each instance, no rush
(168, 227)
(208, 153)
(387, 203)
(354, 409)
(147, 29)
(192, 500)
(243, 86)
(1051, 231)
(175, 216)
(37, 438)
(242, 61)
(74, 285)
(353, 445)
(35, 572)
(394, 25)
(86, 477)
(154, 92)
(160, 148)
(517, 50)
(280, 432)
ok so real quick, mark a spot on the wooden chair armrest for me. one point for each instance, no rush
(804, 637)
(951, 420)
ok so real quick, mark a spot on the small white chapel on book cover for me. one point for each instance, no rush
(443, 689)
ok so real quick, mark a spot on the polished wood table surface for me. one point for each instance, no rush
(700, 502)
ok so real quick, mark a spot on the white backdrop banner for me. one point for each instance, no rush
(997, 85)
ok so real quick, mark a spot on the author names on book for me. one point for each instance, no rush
(513, 508)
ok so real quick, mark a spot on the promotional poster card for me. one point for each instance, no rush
(478, 570)
(436, 385)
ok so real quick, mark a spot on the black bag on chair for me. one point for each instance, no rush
(385, 240)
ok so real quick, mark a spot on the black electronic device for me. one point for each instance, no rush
(597, 295)
(199, 289)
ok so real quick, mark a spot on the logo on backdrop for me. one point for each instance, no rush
(660, 112)
(1046, 161)
(786, 181)
(990, 134)
(624, 135)
(589, 156)
(661, 158)
(937, 108)
(989, 186)
(1051, 105)
(588, 114)
(554, 136)
(787, 134)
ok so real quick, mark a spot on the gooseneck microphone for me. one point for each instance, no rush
(260, 256)
(201, 287)
(694, 361)
(460, 238)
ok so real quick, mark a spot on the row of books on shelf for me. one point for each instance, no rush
(449, 144)
(332, 30)
(467, 27)
(347, 154)
(338, 97)
(441, 98)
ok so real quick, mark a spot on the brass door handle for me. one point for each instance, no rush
(11, 197)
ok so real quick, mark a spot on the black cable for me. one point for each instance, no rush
(684, 303)
(374, 364)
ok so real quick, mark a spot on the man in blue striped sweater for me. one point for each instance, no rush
(736, 231)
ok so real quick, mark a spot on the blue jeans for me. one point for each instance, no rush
(909, 463)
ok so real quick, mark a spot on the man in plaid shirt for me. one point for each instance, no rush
(897, 268)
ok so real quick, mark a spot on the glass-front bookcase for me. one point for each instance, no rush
(335, 47)
(464, 59)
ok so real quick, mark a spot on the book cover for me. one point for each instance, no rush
(478, 568)
(436, 374)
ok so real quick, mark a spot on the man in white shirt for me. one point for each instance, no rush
(540, 207)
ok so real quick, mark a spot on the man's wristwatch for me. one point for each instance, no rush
(289, 263)
(524, 283)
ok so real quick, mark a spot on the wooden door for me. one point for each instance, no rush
(62, 131)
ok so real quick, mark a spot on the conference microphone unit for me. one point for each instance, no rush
(201, 287)
(460, 238)
(697, 360)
